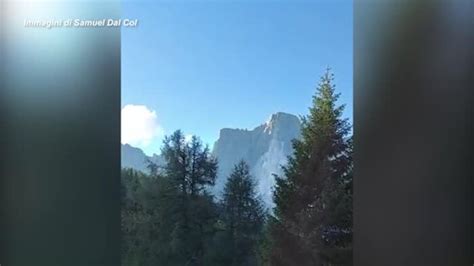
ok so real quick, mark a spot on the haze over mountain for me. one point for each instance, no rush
(265, 148)
(135, 158)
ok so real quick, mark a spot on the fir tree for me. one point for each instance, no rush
(313, 213)
(242, 218)
(191, 169)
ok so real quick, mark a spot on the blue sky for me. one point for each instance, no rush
(202, 66)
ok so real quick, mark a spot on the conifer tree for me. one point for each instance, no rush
(242, 217)
(191, 169)
(312, 222)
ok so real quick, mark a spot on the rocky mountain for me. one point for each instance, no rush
(135, 158)
(265, 148)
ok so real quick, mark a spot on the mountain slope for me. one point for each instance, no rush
(135, 158)
(265, 149)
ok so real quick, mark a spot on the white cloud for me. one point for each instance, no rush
(139, 125)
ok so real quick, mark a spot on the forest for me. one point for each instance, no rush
(169, 217)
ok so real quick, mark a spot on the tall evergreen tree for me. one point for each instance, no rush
(242, 218)
(191, 169)
(312, 222)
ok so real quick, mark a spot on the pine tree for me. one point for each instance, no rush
(191, 169)
(242, 217)
(313, 214)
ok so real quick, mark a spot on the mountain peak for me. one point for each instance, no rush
(281, 116)
(276, 120)
(281, 120)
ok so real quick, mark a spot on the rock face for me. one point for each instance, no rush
(265, 149)
(135, 158)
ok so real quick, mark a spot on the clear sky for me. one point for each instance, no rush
(204, 65)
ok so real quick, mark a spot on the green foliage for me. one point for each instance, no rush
(242, 217)
(190, 169)
(134, 215)
(313, 214)
(188, 164)
(168, 216)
